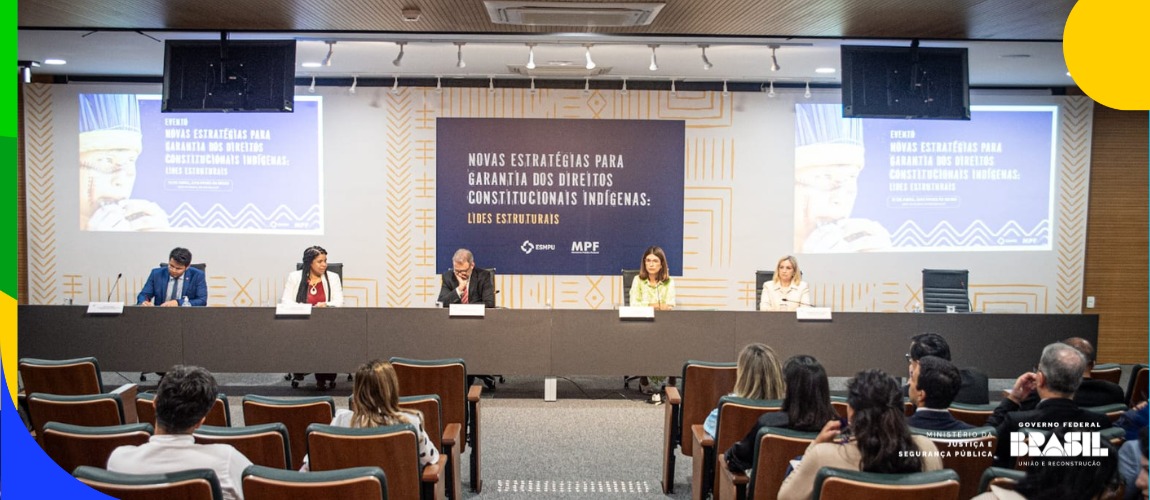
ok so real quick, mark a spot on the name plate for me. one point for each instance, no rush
(293, 309)
(106, 308)
(467, 311)
(629, 312)
(813, 314)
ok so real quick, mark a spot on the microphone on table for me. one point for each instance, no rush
(114, 285)
(801, 303)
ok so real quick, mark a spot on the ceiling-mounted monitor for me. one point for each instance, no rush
(905, 82)
(229, 75)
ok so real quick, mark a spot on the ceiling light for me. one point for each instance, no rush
(624, 91)
(807, 94)
(725, 91)
(55, 62)
(438, 85)
(330, 52)
(772, 92)
(459, 55)
(399, 58)
(824, 71)
(395, 88)
(587, 87)
(590, 63)
(654, 64)
(311, 89)
(706, 62)
(532, 91)
(530, 56)
(311, 64)
(673, 92)
(491, 86)
(354, 84)
(774, 60)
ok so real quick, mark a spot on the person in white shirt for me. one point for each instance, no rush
(787, 291)
(183, 399)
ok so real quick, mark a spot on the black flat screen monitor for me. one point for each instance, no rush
(232, 75)
(905, 82)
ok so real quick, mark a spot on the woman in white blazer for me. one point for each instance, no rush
(320, 289)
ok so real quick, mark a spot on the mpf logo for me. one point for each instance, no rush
(527, 247)
(1073, 444)
(585, 247)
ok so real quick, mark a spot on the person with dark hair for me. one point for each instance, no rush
(320, 289)
(183, 399)
(375, 403)
(168, 285)
(876, 438)
(933, 383)
(1057, 377)
(654, 286)
(1091, 392)
(975, 388)
(1045, 480)
(806, 407)
(466, 284)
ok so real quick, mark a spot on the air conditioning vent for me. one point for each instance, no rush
(557, 71)
(597, 15)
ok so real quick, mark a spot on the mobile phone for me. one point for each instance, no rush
(844, 431)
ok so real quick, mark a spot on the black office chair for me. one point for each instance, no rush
(334, 267)
(628, 278)
(945, 287)
(761, 278)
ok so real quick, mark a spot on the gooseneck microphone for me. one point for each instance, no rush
(114, 285)
(801, 303)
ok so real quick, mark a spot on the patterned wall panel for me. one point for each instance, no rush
(40, 144)
(399, 189)
(1073, 201)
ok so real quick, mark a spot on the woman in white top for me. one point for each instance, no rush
(787, 291)
(320, 289)
(375, 403)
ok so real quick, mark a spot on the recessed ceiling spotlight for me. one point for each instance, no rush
(311, 64)
(55, 62)
(825, 71)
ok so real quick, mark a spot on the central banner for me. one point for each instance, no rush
(559, 197)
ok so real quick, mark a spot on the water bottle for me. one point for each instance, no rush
(185, 302)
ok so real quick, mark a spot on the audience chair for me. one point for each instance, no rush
(447, 444)
(833, 484)
(393, 448)
(761, 278)
(295, 413)
(945, 287)
(774, 450)
(998, 476)
(1115, 435)
(966, 456)
(92, 410)
(264, 444)
(839, 403)
(70, 377)
(268, 483)
(220, 415)
(975, 415)
(194, 484)
(1112, 411)
(1110, 372)
(736, 417)
(703, 384)
(71, 446)
(447, 378)
(1136, 387)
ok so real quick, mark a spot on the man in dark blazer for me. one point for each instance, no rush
(466, 284)
(1091, 392)
(1058, 375)
(167, 285)
(933, 383)
(975, 384)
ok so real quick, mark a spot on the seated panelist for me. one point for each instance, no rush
(787, 291)
(464, 284)
(314, 285)
(653, 287)
(167, 286)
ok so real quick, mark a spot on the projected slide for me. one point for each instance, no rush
(559, 197)
(867, 185)
(252, 173)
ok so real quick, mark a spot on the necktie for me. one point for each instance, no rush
(172, 289)
(463, 299)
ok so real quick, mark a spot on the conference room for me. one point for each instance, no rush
(729, 136)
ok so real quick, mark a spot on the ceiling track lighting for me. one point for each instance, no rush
(399, 58)
(395, 87)
(438, 85)
(459, 55)
(330, 52)
(590, 63)
(530, 56)
(354, 84)
(624, 90)
(774, 60)
(706, 62)
(491, 85)
(311, 89)
(771, 94)
(807, 94)
(532, 91)
(673, 91)
(725, 91)
(587, 87)
(654, 64)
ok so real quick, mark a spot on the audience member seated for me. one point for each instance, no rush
(375, 403)
(1132, 466)
(806, 407)
(1091, 392)
(1058, 375)
(1051, 478)
(933, 384)
(975, 389)
(876, 438)
(757, 376)
(1133, 420)
(183, 399)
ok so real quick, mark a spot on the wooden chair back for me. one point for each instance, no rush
(773, 454)
(703, 384)
(834, 484)
(266, 483)
(267, 445)
(64, 377)
(1110, 372)
(295, 413)
(71, 446)
(1136, 387)
(194, 484)
(393, 448)
(975, 415)
(736, 417)
(90, 410)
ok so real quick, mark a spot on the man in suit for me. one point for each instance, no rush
(166, 286)
(1057, 377)
(465, 284)
(975, 385)
(933, 383)
(1091, 392)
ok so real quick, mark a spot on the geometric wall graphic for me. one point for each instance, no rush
(43, 284)
(1074, 191)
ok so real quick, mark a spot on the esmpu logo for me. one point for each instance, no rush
(1072, 444)
(527, 247)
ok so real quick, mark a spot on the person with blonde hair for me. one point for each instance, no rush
(757, 376)
(787, 291)
(375, 403)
